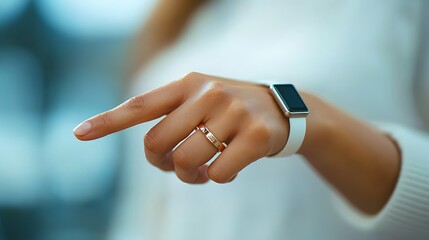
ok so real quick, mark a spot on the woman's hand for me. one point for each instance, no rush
(243, 115)
(358, 160)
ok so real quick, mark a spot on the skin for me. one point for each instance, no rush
(359, 161)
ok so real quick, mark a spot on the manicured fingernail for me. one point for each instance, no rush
(82, 128)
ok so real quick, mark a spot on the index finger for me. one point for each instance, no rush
(136, 110)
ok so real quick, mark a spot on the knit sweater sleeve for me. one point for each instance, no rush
(406, 214)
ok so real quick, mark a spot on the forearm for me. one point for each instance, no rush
(359, 161)
(163, 27)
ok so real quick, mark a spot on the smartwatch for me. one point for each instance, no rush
(295, 110)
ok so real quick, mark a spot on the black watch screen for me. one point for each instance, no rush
(290, 98)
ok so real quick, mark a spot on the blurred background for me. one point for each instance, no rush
(60, 62)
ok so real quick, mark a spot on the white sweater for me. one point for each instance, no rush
(366, 57)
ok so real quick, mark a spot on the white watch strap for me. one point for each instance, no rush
(297, 128)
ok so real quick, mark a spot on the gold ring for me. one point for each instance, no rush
(209, 135)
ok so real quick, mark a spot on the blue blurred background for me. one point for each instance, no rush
(60, 62)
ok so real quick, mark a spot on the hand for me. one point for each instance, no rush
(358, 160)
(243, 115)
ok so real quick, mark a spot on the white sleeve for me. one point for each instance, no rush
(406, 214)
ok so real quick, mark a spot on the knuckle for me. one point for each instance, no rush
(105, 119)
(166, 165)
(180, 159)
(190, 77)
(261, 131)
(151, 142)
(262, 135)
(216, 91)
(238, 109)
(163, 164)
(135, 103)
(217, 176)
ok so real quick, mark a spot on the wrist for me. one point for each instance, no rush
(295, 112)
(320, 126)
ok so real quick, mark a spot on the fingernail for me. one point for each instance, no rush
(232, 178)
(82, 128)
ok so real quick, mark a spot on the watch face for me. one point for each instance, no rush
(290, 99)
